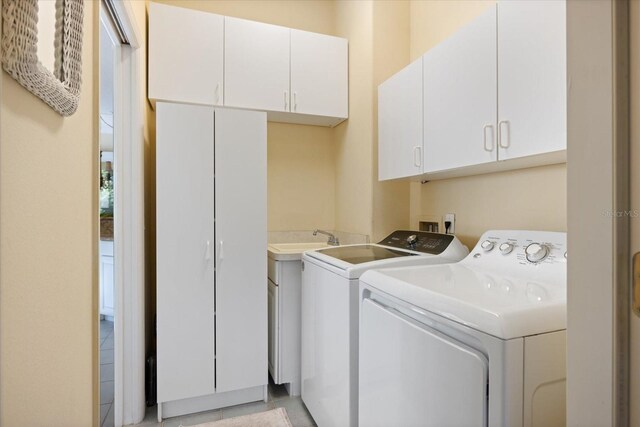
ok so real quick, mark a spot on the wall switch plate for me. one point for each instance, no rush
(452, 219)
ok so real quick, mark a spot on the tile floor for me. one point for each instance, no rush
(278, 398)
(106, 373)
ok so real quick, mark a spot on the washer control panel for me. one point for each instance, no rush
(419, 241)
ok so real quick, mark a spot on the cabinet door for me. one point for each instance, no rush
(319, 74)
(532, 75)
(186, 49)
(460, 97)
(185, 250)
(400, 124)
(274, 335)
(256, 65)
(241, 236)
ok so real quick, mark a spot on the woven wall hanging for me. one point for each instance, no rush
(60, 89)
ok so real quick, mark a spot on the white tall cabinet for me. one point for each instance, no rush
(211, 268)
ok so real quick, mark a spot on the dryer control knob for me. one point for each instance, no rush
(506, 248)
(412, 240)
(487, 245)
(536, 252)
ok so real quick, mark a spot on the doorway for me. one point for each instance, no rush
(121, 346)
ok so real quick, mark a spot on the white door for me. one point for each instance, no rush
(412, 375)
(400, 124)
(185, 249)
(256, 64)
(460, 97)
(319, 74)
(532, 77)
(186, 52)
(241, 236)
(274, 335)
(634, 169)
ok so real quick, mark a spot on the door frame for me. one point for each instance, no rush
(598, 287)
(129, 254)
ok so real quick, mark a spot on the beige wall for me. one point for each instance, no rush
(391, 32)
(526, 199)
(48, 253)
(301, 164)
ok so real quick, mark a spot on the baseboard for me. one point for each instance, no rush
(210, 402)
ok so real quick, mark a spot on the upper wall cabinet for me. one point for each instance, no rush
(319, 83)
(400, 124)
(186, 51)
(495, 96)
(532, 76)
(460, 97)
(201, 58)
(256, 65)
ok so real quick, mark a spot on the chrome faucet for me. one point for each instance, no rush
(333, 240)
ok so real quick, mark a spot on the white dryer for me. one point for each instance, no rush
(477, 343)
(330, 314)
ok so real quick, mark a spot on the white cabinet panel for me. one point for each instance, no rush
(185, 250)
(400, 120)
(256, 65)
(186, 49)
(319, 74)
(107, 297)
(274, 328)
(460, 97)
(241, 236)
(532, 74)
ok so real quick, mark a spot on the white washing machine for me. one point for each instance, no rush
(330, 314)
(477, 343)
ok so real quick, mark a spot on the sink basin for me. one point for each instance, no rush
(291, 251)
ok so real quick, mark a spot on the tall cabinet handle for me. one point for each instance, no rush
(295, 101)
(417, 156)
(286, 101)
(484, 132)
(221, 253)
(218, 93)
(503, 136)
(207, 251)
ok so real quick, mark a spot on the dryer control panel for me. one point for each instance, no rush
(419, 241)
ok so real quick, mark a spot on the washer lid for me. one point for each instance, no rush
(499, 305)
(359, 254)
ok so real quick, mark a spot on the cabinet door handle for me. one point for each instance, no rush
(286, 103)
(417, 156)
(295, 101)
(484, 132)
(207, 251)
(218, 93)
(221, 253)
(502, 137)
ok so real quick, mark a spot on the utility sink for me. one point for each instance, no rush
(291, 251)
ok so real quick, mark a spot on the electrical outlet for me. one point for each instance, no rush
(452, 219)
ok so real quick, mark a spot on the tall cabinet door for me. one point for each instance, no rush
(400, 124)
(256, 65)
(532, 76)
(186, 50)
(241, 236)
(319, 74)
(185, 252)
(460, 97)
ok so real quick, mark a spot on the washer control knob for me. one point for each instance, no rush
(536, 252)
(506, 248)
(487, 245)
(565, 254)
(412, 240)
